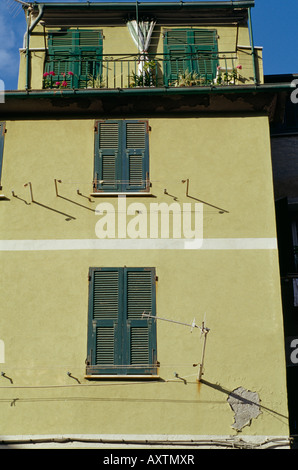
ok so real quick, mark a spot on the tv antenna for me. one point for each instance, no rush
(15, 6)
(204, 332)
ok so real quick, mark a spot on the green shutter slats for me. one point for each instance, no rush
(203, 37)
(176, 37)
(179, 62)
(89, 38)
(108, 170)
(136, 170)
(109, 135)
(105, 345)
(105, 295)
(139, 294)
(139, 346)
(205, 65)
(62, 40)
(135, 135)
(87, 68)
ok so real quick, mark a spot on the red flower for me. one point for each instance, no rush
(57, 83)
(52, 73)
(64, 83)
(70, 73)
(46, 74)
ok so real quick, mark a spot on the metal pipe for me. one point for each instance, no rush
(252, 45)
(29, 30)
(157, 4)
(201, 365)
(27, 50)
(274, 87)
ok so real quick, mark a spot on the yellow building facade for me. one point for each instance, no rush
(140, 284)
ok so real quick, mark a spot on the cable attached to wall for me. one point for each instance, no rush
(204, 332)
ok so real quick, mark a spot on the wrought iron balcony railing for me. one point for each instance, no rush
(119, 71)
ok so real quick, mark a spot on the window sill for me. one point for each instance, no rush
(109, 194)
(122, 377)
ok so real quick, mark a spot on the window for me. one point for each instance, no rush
(190, 50)
(121, 156)
(120, 340)
(77, 51)
(2, 134)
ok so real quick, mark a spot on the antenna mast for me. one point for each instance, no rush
(204, 332)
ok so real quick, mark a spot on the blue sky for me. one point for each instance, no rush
(274, 26)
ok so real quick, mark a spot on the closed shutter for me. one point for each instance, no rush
(90, 56)
(61, 58)
(121, 156)
(77, 51)
(136, 156)
(120, 340)
(104, 313)
(205, 53)
(2, 134)
(177, 54)
(190, 50)
(140, 340)
(107, 156)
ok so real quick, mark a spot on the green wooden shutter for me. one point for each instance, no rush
(120, 340)
(140, 340)
(61, 58)
(136, 158)
(189, 50)
(105, 313)
(204, 49)
(2, 134)
(90, 56)
(108, 156)
(121, 156)
(77, 51)
(177, 54)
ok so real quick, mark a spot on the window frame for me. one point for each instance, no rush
(123, 326)
(122, 156)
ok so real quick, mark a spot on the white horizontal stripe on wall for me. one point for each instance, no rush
(141, 244)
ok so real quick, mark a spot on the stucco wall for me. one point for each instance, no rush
(44, 290)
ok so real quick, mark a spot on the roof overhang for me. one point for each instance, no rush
(110, 13)
(199, 101)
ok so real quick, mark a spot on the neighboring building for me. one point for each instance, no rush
(140, 186)
(284, 144)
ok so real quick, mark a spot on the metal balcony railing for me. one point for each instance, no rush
(120, 71)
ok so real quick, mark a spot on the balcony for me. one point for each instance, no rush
(130, 71)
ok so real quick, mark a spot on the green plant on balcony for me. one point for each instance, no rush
(190, 79)
(145, 77)
(95, 82)
(226, 77)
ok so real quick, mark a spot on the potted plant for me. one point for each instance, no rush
(146, 77)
